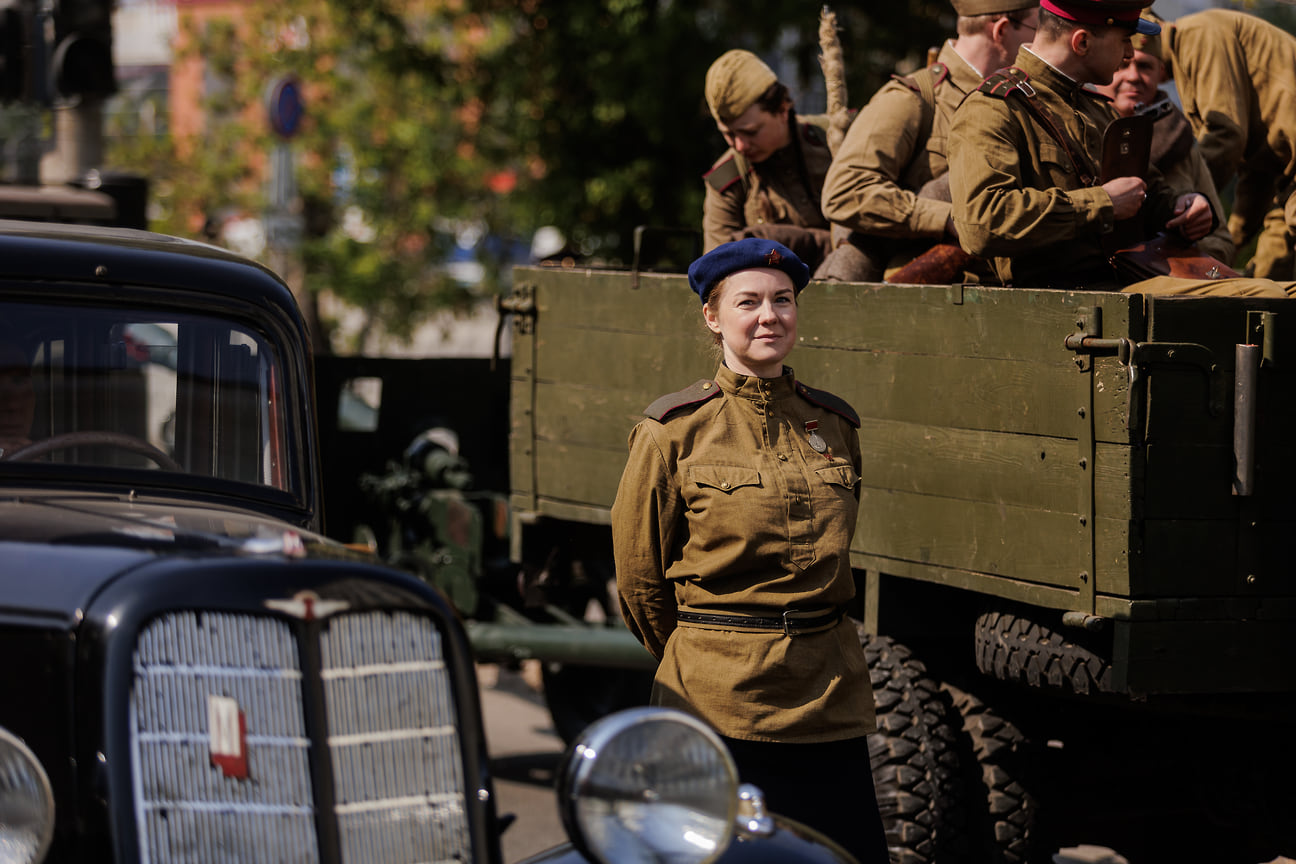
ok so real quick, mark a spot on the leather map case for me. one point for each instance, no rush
(1127, 148)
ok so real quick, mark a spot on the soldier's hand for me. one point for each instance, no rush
(1127, 195)
(1193, 217)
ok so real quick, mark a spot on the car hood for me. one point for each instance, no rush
(58, 549)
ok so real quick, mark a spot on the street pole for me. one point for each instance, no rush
(78, 140)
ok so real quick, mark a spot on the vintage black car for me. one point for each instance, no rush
(192, 672)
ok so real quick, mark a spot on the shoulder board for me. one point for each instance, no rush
(907, 81)
(824, 399)
(938, 72)
(1000, 84)
(814, 127)
(723, 174)
(695, 394)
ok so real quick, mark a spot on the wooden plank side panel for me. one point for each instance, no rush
(521, 413)
(579, 475)
(579, 417)
(1190, 481)
(890, 350)
(644, 366)
(969, 321)
(606, 299)
(1035, 546)
(1027, 471)
(1187, 402)
(1032, 398)
(1217, 558)
(1207, 656)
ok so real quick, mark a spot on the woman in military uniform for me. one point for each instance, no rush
(731, 532)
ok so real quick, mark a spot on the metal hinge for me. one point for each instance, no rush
(522, 306)
(1087, 342)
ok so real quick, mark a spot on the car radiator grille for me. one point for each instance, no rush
(397, 774)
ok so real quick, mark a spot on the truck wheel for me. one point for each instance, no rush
(1013, 647)
(1003, 820)
(914, 758)
(578, 695)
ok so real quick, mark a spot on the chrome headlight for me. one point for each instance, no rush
(26, 804)
(649, 786)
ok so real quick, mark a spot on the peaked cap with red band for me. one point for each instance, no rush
(1117, 13)
(750, 253)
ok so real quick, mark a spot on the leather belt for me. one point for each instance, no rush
(793, 622)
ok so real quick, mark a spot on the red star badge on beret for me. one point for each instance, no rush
(773, 258)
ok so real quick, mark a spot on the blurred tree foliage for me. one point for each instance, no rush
(428, 119)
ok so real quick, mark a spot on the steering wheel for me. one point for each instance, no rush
(68, 440)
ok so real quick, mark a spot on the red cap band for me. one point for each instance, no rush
(1093, 13)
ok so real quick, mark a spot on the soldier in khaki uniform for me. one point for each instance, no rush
(1236, 76)
(1020, 198)
(731, 535)
(896, 145)
(769, 182)
(1134, 88)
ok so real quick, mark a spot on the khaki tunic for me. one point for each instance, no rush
(890, 152)
(1236, 76)
(1017, 196)
(1176, 155)
(775, 192)
(725, 508)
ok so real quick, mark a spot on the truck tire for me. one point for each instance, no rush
(1001, 807)
(1013, 647)
(914, 758)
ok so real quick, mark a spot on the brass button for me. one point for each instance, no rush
(706, 386)
(782, 457)
(724, 484)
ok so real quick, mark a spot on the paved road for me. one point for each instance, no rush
(524, 755)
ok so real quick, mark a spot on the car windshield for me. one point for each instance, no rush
(139, 389)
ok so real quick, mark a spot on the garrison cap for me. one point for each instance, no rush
(1119, 13)
(748, 254)
(1150, 43)
(735, 82)
(970, 8)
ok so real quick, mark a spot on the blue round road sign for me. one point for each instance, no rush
(285, 106)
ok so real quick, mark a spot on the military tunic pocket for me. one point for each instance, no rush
(1057, 165)
(837, 494)
(726, 478)
(839, 475)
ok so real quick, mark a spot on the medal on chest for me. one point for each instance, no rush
(817, 443)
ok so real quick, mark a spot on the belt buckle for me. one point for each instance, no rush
(787, 623)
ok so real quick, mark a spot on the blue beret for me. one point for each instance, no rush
(746, 254)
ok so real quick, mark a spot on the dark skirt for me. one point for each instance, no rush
(828, 786)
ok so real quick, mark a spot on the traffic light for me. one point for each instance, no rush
(13, 54)
(82, 64)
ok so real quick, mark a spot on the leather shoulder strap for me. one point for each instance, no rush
(1013, 82)
(924, 82)
(824, 399)
(695, 394)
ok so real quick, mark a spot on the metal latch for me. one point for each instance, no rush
(522, 306)
(1087, 342)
